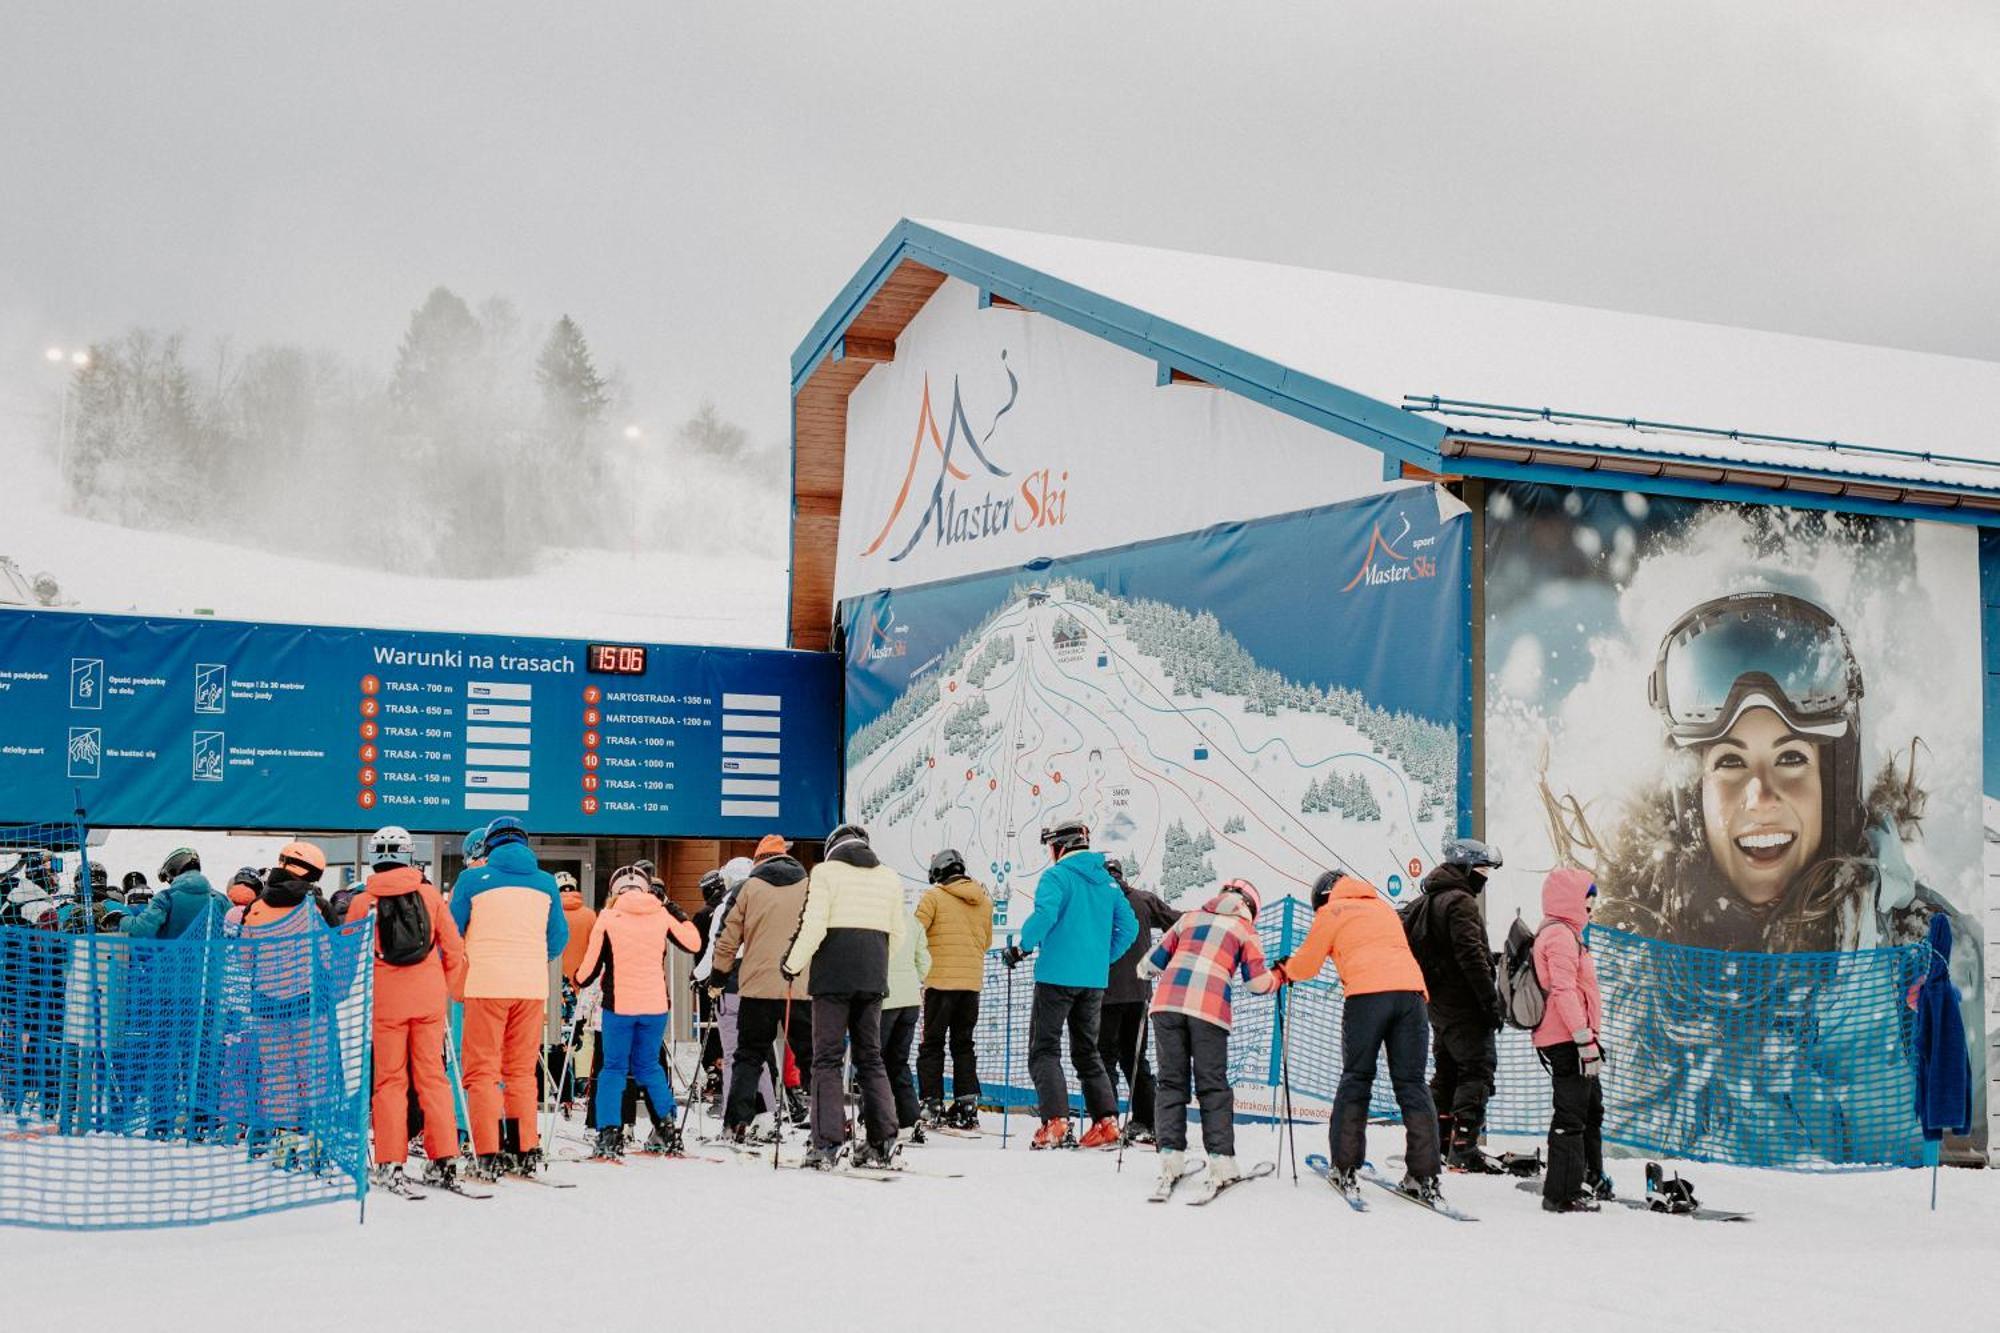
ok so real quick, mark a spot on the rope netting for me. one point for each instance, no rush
(1800, 1061)
(148, 1082)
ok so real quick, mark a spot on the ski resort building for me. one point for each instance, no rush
(1265, 570)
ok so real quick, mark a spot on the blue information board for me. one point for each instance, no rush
(221, 724)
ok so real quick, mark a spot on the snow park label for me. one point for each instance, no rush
(1386, 561)
(972, 498)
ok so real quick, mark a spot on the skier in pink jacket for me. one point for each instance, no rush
(1569, 1042)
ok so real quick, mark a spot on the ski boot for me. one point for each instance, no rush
(1582, 1203)
(873, 1156)
(1223, 1171)
(798, 1107)
(529, 1161)
(489, 1166)
(1600, 1189)
(1343, 1180)
(1053, 1134)
(1424, 1189)
(610, 1144)
(1136, 1135)
(665, 1141)
(820, 1159)
(1171, 1165)
(963, 1115)
(389, 1178)
(441, 1173)
(931, 1113)
(1472, 1162)
(1103, 1133)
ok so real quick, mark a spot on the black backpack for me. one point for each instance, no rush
(402, 929)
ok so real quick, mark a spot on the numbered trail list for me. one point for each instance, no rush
(199, 723)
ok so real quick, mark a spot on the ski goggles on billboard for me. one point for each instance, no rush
(1749, 650)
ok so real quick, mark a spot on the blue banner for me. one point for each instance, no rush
(219, 724)
(1265, 699)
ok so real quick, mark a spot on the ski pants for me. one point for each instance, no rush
(1122, 1046)
(1185, 1042)
(727, 1011)
(949, 1017)
(757, 1024)
(502, 1040)
(631, 1044)
(844, 1025)
(409, 1056)
(1576, 1128)
(899, 1032)
(1462, 1077)
(1079, 1008)
(1368, 1023)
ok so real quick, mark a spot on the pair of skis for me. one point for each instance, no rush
(1164, 1191)
(1322, 1168)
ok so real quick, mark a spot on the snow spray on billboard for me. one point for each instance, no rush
(1262, 699)
(1757, 726)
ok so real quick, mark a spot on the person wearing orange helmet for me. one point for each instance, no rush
(286, 922)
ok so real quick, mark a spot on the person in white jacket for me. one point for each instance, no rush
(734, 872)
(852, 922)
(909, 964)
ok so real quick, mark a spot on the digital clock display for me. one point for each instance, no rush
(617, 659)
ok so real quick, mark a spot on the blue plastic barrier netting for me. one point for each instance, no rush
(1801, 1061)
(154, 1083)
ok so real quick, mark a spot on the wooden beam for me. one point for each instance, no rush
(1182, 377)
(817, 506)
(873, 351)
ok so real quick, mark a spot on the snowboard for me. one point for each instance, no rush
(1699, 1214)
(1322, 1168)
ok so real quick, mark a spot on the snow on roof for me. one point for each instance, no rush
(1396, 340)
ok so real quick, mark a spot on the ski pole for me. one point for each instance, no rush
(1007, 1061)
(778, 1086)
(1132, 1079)
(1291, 1130)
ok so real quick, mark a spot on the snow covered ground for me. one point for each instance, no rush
(1043, 1240)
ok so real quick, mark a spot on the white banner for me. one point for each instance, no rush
(998, 437)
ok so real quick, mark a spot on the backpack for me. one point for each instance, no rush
(1416, 922)
(1522, 999)
(402, 929)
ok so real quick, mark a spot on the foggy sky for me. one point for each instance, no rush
(695, 182)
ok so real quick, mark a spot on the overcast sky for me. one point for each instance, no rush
(695, 182)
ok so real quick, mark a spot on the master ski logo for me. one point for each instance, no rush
(964, 506)
(886, 638)
(1383, 563)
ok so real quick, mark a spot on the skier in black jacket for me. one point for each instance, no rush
(1121, 1034)
(1447, 933)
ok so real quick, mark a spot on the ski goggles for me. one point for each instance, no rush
(1754, 649)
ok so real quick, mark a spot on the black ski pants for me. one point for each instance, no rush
(1185, 1043)
(1576, 1128)
(757, 1024)
(1369, 1023)
(1122, 1045)
(1462, 1077)
(1079, 1008)
(844, 1025)
(899, 1033)
(949, 1017)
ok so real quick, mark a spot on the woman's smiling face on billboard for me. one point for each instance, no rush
(1760, 803)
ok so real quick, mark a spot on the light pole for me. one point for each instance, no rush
(79, 358)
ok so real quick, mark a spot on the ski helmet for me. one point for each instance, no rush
(713, 886)
(1772, 650)
(304, 860)
(1322, 888)
(946, 866)
(391, 846)
(1116, 869)
(631, 879)
(1070, 835)
(474, 846)
(565, 882)
(1471, 854)
(248, 877)
(504, 830)
(100, 879)
(134, 879)
(1247, 891)
(844, 833)
(179, 862)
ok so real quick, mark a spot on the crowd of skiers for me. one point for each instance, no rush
(833, 963)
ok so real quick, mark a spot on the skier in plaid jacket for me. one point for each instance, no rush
(1197, 963)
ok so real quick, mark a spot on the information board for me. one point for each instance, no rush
(219, 724)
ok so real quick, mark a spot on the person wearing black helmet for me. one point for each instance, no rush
(1080, 923)
(1122, 1034)
(138, 891)
(180, 905)
(713, 889)
(1447, 933)
(851, 925)
(956, 916)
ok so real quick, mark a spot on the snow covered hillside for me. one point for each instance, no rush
(1042, 1241)
(722, 595)
(1061, 705)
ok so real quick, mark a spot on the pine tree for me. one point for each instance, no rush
(574, 395)
(434, 366)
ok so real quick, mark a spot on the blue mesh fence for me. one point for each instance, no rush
(1801, 1061)
(149, 1083)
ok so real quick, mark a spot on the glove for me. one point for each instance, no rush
(1146, 969)
(1591, 1056)
(1496, 1019)
(1011, 956)
(785, 971)
(1278, 977)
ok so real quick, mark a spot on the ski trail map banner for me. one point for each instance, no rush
(221, 724)
(1264, 699)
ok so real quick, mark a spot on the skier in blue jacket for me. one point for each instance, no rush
(1080, 923)
(181, 905)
